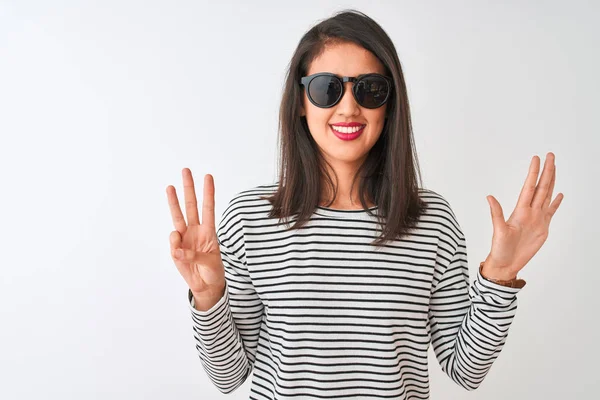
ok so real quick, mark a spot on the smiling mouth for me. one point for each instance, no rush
(348, 130)
(347, 133)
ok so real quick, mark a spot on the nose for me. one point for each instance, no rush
(348, 105)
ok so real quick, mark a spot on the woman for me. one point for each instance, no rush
(346, 302)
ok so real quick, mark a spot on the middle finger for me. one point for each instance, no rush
(550, 191)
(541, 191)
(191, 204)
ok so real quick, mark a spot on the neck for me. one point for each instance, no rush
(345, 198)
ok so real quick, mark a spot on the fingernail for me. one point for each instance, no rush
(178, 253)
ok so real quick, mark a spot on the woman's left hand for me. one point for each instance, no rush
(517, 240)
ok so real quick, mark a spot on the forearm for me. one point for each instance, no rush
(466, 350)
(219, 344)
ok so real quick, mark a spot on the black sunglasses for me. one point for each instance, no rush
(325, 89)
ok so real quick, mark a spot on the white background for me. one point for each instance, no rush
(103, 103)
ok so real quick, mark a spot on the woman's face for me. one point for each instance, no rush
(347, 59)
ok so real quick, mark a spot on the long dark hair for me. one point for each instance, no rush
(388, 177)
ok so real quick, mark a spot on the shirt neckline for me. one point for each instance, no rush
(334, 212)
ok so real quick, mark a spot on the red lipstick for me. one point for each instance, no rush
(348, 136)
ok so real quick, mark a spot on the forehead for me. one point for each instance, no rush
(346, 59)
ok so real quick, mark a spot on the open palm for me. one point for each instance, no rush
(518, 239)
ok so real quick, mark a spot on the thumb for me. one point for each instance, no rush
(496, 211)
(190, 256)
(187, 255)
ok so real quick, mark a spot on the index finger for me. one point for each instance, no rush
(178, 220)
(529, 187)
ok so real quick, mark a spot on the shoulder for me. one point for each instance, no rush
(246, 203)
(439, 215)
(434, 199)
(250, 199)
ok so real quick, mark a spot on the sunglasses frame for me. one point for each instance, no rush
(306, 80)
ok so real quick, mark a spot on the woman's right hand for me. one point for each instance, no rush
(200, 265)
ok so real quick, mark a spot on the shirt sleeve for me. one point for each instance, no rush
(468, 323)
(227, 334)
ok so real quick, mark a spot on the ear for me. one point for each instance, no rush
(302, 111)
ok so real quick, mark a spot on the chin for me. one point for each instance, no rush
(345, 157)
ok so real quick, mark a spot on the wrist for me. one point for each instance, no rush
(512, 280)
(496, 274)
(491, 270)
(206, 300)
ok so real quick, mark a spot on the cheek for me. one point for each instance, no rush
(376, 117)
(318, 118)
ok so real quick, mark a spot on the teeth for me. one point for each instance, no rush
(345, 129)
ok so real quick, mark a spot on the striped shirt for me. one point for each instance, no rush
(321, 313)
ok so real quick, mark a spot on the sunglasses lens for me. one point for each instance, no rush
(325, 90)
(372, 91)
